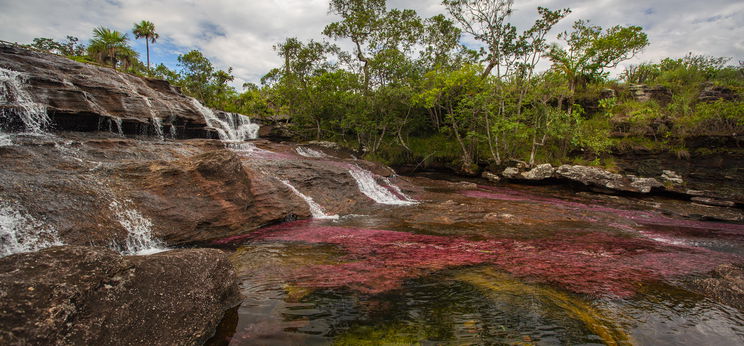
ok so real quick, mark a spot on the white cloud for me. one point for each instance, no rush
(241, 33)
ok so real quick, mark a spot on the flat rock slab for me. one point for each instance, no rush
(76, 295)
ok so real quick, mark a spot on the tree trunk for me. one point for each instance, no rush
(571, 96)
(317, 122)
(488, 69)
(147, 45)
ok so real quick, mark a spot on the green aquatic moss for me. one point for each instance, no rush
(492, 281)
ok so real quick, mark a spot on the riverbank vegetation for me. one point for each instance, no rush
(406, 90)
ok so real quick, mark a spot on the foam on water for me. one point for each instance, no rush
(140, 240)
(315, 209)
(368, 185)
(20, 232)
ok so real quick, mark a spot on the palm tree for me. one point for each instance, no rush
(110, 46)
(146, 29)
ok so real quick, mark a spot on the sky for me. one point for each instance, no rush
(241, 33)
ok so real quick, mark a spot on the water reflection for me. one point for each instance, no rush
(473, 269)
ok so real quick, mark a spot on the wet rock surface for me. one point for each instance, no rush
(85, 97)
(84, 295)
(87, 185)
(726, 285)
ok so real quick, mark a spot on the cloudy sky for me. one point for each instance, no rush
(241, 33)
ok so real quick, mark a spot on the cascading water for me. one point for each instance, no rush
(157, 123)
(140, 240)
(315, 209)
(118, 122)
(22, 233)
(311, 153)
(368, 185)
(234, 130)
(13, 95)
(5, 140)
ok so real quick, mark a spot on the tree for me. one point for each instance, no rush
(486, 21)
(146, 30)
(360, 19)
(295, 80)
(374, 31)
(201, 80)
(110, 46)
(459, 98)
(71, 47)
(590, 51)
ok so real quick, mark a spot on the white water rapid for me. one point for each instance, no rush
(19, 232)
(13, 93)
(368, 185)
(315, 208)
(235, 129)
(308, 152)
(140, 240)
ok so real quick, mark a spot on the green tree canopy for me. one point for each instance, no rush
(111, 47)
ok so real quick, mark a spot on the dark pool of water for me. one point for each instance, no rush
(488, 266)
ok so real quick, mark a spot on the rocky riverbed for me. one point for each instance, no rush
(131, 214)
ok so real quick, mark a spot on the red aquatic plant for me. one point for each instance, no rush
(595, 263)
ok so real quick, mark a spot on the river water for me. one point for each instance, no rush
(478, 264)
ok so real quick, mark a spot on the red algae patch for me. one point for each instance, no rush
(599, 264)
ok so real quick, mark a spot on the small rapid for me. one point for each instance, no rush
(308, 152)
(368, 185)
(20, 232)
(140, 240)
(15, 101)
(236, 128)
(315, 209)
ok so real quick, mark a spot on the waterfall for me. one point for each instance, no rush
(315, 208)
(13, 93)
(140, 240)
(5, 140)
(22, 233)
(236, 128)
(118, 123)
(157, 123)
(307, 152)
(368, 185)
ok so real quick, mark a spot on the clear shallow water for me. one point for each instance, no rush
(486, 266)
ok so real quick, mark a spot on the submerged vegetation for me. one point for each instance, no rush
(409, 92)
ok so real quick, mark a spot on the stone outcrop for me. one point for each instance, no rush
(593, 177)
(597, 177)
(713, 168)
(491, 177)
(671, 177)
(541, 172)
(643, 93)
(94, 189)
(712, 92)
(93, 296)
(86, 97)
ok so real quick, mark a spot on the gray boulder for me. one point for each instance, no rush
(541, 172)
(597, 177)
(510, 173)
